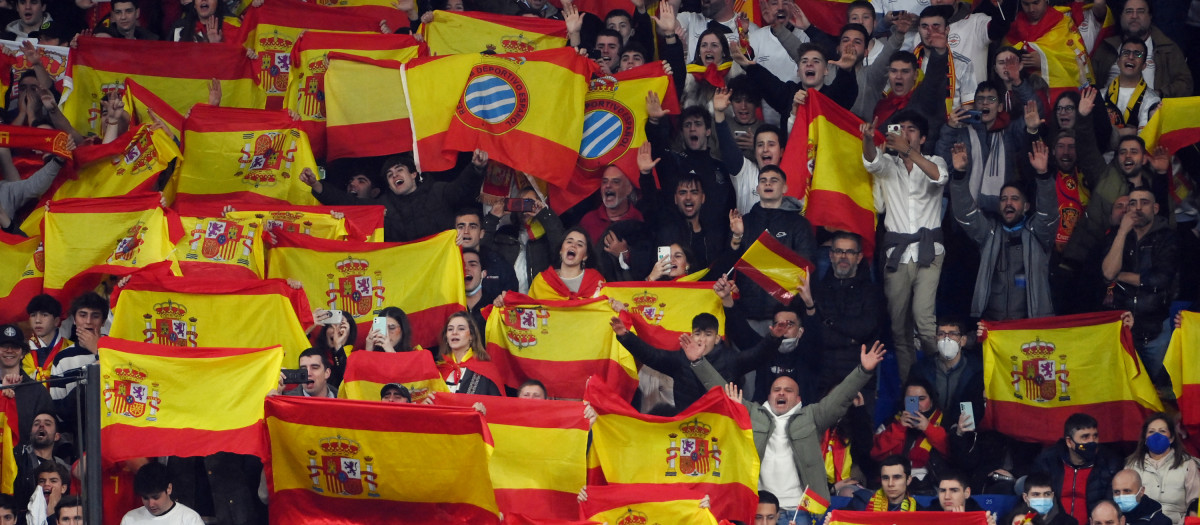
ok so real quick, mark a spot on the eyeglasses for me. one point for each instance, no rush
(949, 334)
(838, 251)
(1132, 53)
(1064, 109)
(989, 99)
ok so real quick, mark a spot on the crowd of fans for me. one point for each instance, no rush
(1006, 192)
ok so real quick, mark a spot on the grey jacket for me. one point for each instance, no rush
(1036, 239)
(14, 194)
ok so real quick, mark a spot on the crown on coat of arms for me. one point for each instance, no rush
(352, 266)
(633, 517)
(1038, 348)
(517, 44)
(606, 85)
(645, 299)
(275, 42)
(170, 310)
(318, 65)
(694, 429)
(340, 446)
(129, 373)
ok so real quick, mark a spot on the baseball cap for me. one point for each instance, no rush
(11, 335)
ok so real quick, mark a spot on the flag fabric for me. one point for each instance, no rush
(355, 129)
(9, 435)
(473, 32)
(21, 264)
(432, 89)
(837, 190)
(774, 267)
(139, 102)
(1184, 368)
(338, 461)
(662, 311)
(368, 372)
(271, 30)
(1173, 125)
(1056, 38)
(249, 155)
(828, 15)
(179, 72)
(25, 137)
(424, 278)
(217, 313)
(560, 343)
(85, 238)
(338, 223)
(814, 503)
(709, 448)
(54, 60)
(222, 248)
(1039, 371)
(538, 465)
(851, 517)
(154, 407)
(661, 505)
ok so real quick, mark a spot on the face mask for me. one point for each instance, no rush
(948, 348)
(788, 345)
(1126, 502)
(1041, 505)
(475, 290)
(1087, 451)
(1158, 443)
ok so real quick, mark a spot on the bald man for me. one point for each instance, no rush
(1130, 496)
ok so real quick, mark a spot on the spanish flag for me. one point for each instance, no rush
(661, 505)
(471, 32)
(139, 102)
(222, 248)
(153, 406)
(368, 372)
(1039, 371)
(663, 310)
(1172, 128)
(272, 28)
(424, 278)
(837, 190)
(828, 15)
(337, 223)
(86, 238)
(354, 129)
(525, 110)
(814, 503)
(198, 312)
(774, 267)
(432, 89)
(8, 442)
(538, 466)
(708, 448)
(1056, 38)
(21, 264)
(850, 517)
(179, 72)
(338, 461)
(560, 343)
(244, 155)
(1182, 363)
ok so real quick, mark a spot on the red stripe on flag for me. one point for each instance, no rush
(1179, 139)
(837, 211)
(301, 505)
(563, 378)
(828, 15)
(162, 59)
(369, 139)
(1044, 424)
(163, 110)
(12, 308)
(121, 442)
(536, 502)
(365, 415)
(516, 144)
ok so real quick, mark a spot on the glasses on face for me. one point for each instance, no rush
(1133, 53)
(949, 334)
(992, 99)
(848, 253)
(1064, 109)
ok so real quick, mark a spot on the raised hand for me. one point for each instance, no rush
(1033, 119)
(214, 93)
(572, 17)
(958, 155)
(479, 159)
(618, 326)
(665, 20)
(739, 57)
(692, 348)
(734, 393)
(1039, 158)
(654, 109)
(1087, 101)
(867, 130)
(212, 29)
(1160, 161)
(871, 359)
(720, 99)
(645, 160)
(736, 224)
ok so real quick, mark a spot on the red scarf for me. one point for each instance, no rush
(890, 104)
(592, 282)
(712, 73)
(1024, 31)
(449, 369)
(1072, 197)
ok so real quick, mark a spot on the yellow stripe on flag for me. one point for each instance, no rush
(1173, 125)
(21, 261)
(474, 32)
(233, 245)
(355, 129)
(432, 87)
(319, 225)
(662, 311)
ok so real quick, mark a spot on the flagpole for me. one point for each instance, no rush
(93, 501)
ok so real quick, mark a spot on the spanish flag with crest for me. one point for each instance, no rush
(244, 155)
(1182, 363)
(1039, 371)
(560, 343)
(154, 407)
(471, 32)
(662, 505)
(368, 372)
(709, 448)
(21, 264)
(663, 310)
(339, 461)
(538, 466)
(424, 278)
(354, 129)
(852, 517)
(222, 248)
(179, 72)
(219, 313)
(141, 102)
(336, 223)
(774, 267)
(837, 191)
(87, 238)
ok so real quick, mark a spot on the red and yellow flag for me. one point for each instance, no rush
(647, 452)
(538, 466)
(222, 248)
(828, 15)
(153, 406)
(661, 505)
(424, 278)
(139, 102)
(21, 264)
(1173, 128)
(354, 129)
(814, 503)
(244, 155)
(8, 440)
(337, 223)
(837, 190)
(662, 311)
(560, 343)
(218, 313)
(339, 461)
(86, 238)
(1056, 38)
(851, 517)
(368, 372)
(272, 28)
(179, 72)
(473, 32)
(25, 137)
(1039, 371)
(1182, 363)
(775, 267)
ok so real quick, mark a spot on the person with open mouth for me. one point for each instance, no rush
(571, 279)
(463, 359)
(1128, 99)
(813, 69)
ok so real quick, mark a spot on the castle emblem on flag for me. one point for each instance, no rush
(311, 95)
(608, 125)
(38, 265)
(521, 323)
(285, 221)
(221, 240)
(337, 470)
(275, 62)
(138, 156)
(495, 99)
(1040, 378)
(266, 156)
(128, 395)
(167, 326)
(129, 245)
(353, 290)
(694, 455)
(646, 305)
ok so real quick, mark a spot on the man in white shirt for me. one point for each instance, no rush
(908, 185)
(153, 484)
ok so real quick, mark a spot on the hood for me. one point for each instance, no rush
(791, 204)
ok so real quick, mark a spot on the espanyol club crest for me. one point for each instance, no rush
(495, 99)
(608, 125)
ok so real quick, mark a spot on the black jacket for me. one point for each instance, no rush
(719, 195)
(1055, 459)
(851, 313)
(967, 388)
(789, 228)
(539, 253)
(730, 363)
(1156, 259)
(1147, 512)
(779, 94)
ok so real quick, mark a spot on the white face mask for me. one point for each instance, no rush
(788, 344)
(948, 348)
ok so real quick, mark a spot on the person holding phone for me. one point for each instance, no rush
(917, 433)
(336, 339)
(395, 334)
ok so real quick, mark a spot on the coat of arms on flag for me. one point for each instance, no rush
(608, 125)
(340, 471)
(353, 290)
(267, 155)
(495, 99)
(127, 247)
(521, 323)
(1038, 378)
(693, 455)
(220, 240)
(128, 395)
(169, 328)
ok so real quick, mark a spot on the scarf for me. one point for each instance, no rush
(41, 371)
(950, 76)
(889, 104)
(837, 456)
(1127, 116)
(879, 503)
(1072, 200)
(713, 74)
(551, 286)
(987, 174)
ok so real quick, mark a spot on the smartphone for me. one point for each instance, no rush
(664, 252)
(967, 408)
(893, 129)
(330, 317)
(594, 54)
(295, 376)
(379, 324)
(973, 115)
(518, 205)
(912, 404)
(741, 133)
